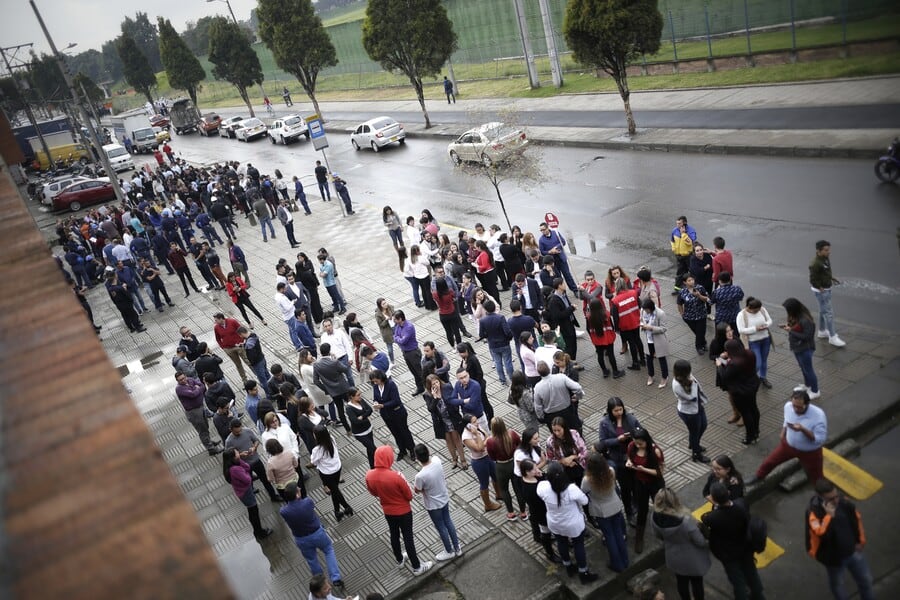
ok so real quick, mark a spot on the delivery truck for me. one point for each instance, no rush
(135, 125)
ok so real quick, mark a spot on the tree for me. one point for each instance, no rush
(233, 58)
(524, 170)
(112, 64)
(608, 34)
(94, 94)
(142, 31)
(89, 62)
(182, 67)
(45, 77)
(414, 37)
(138, 72)
(294, 33)
(196, 35)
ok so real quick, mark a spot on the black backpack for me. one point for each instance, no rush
(757, 534)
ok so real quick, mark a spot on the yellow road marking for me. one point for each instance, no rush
(771, 552)
(854, 481)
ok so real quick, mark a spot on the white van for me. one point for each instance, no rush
(118, 157)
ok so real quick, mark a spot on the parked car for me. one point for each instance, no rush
(84, 193)
(209, 123)
(159, 121)
(250, 129)
(288, 129)
(377, 133)
(488, 144)
(162, 135)
(226, 126)
(55, 186)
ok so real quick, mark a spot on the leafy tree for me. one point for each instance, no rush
(46, 79)
(182, 67)
(138, 72)
(112, 64)
(233, 58)
(196, 35)
(89, 62)
(10, 98)
(414, 37)
(294, 33)
(608, 34)
(525, 171)
(142, 31)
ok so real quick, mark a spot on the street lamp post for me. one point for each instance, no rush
(113, 177)
(262, 90)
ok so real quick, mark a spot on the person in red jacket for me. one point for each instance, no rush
(626, 317)
(231, 342)
(395, 495)
(603, 336)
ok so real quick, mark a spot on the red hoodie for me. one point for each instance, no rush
(390, 487)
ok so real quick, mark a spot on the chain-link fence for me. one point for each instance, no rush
(490, 44)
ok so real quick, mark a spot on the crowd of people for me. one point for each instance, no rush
(614, 474)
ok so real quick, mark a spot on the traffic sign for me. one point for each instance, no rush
(551, 220)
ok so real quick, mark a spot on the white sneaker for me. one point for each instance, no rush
(836, 341)
(444, 555)
(814, 395)
(823, 334)
(801, 387)
(423, 567)
(402, 561)
(459, 552)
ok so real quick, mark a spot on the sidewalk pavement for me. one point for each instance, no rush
(852, 143)
(368, 268)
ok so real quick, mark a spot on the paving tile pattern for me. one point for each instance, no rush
(368, 269)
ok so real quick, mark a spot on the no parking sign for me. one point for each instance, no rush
(551, 220)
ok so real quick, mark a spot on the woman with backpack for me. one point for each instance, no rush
(687, 551)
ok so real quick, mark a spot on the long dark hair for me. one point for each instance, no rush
(558, 479)
(642, 434)
(323, 438)
(598, 315)
(681, 370)
(795, 310)
(525, 442)
(567, 443)
(724, 461)
(598, 473)
(613, 403)
(229, 459)
(517, 385)
(740, 357)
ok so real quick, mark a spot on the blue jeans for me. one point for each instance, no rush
(337, 300)
(415, 287)
(577, 543)
(262, 225)
(396, 237)
(137, 299)
(856, 564)
(760, 349)
(484, 470)
(826, 314)
(262, 375)
(319, 540)
(445, 528)
(613, 529)
(502, 357)
(696, 425)
(804, 359)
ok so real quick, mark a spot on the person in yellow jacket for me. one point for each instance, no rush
(682, 240)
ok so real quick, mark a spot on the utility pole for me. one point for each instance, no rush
(98, 145)
(526, 45)
(25, 101)
(555, 67)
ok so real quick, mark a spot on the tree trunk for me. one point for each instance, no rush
(420, 94)
(315, 102)
(246, 98)
(192, 92)
(148, 95)
(502, 205)
(625, 93)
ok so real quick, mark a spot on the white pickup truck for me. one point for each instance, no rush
(288, 129)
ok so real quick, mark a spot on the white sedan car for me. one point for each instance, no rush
(226, 127)
(251, 128)
(376, 133)
(488, 144)
(288, 129)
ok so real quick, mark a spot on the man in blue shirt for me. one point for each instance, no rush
(301, 336)
(309, 535)
(326, 272)
(802, 437)
(727, 298)
(552, 243)
(405, 337)
(467, 395)
(495, 328)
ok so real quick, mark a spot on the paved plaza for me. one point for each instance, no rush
(368, 269)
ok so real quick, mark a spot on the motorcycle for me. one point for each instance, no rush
(887, 168)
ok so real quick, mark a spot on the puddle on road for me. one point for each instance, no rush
(138, 366)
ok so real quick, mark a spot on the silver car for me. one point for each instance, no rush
(250, 129)
(376, 133)
(226, 127)
(488, 144)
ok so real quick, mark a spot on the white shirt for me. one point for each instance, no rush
(564, 518)
(747, 322)
(340, 342)
(493, 244)
(688, 402)
(545, 354)
(285, 437)
(324, 463)
(285, 306)
(414, 235)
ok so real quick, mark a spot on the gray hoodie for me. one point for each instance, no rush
(687, 551)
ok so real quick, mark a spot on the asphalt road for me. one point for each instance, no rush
(619, 207)
(869, 116)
